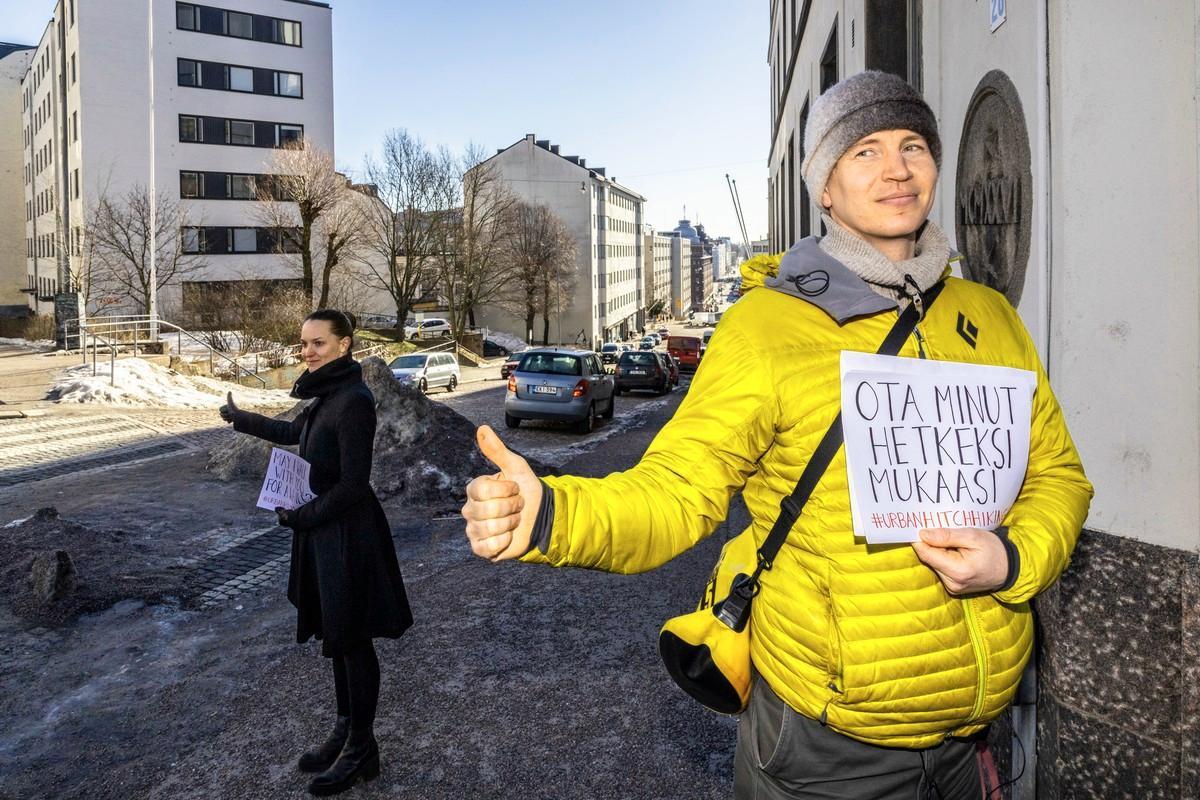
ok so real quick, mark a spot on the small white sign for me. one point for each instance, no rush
(932, 444)
(999, 13)
(286, 482)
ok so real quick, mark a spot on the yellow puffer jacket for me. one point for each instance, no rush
(865, 638)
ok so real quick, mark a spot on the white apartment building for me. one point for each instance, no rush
(681, 274)
(190, 98)
(606, 220)
(1069, 182)
(657, 277)
(14, 61)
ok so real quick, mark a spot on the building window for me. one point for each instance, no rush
(288, 84)
(75, 184)
(189, 72)
(829, 60)
(187, 17)
(75, 126)
(285, 31)
(191, 240)
(190, 129)
(286, 134)
(239, 79)
(245, 240)
(239, 25)
(72, 69)
(241, 187)
(239, 131)
(189, 184)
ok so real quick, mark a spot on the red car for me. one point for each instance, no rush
(685, 350)
(670, 365)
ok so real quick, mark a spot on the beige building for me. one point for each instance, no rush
(1070, 183)
(657, 271)
(14, 61)
(606, 220)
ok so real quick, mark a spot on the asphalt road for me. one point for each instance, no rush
(515, 682)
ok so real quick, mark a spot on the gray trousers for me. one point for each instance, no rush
(784, 755)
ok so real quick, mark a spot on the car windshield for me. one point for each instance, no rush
(609, 348)
(688, 343)
(408, 362)
(641, 359)
(551, 364)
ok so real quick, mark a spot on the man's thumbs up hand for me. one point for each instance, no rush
(229, 410)
(501, 508)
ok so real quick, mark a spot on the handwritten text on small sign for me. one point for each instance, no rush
(286, 482)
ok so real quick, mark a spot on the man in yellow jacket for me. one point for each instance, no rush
(877, 667)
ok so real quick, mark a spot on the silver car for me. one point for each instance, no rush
(559, 384)
(427, 370)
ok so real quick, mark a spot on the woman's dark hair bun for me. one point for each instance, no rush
(353, 320)
(343, 323)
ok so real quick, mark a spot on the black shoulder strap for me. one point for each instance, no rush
(792, 505)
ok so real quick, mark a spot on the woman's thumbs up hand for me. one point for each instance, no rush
(501, 508)
(229, 410)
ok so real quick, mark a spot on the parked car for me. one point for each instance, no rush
(685, 350)
(642, 371)
(647, 344)
(427, 370)
(664, 332)
(510, 363)
(671, 364)
(560, 384)
(427, 328)
(657, 339)
(609, 353)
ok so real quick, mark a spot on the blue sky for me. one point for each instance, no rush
(667, 95)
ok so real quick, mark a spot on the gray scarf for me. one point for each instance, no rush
(886, 277)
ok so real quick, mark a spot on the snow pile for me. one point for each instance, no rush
(510, 343)
(28, 344)
(425, 452)
(141, 383)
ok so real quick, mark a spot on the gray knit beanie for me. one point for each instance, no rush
(855, 107)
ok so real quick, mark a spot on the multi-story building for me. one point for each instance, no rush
(1069, 183)
(681, 273)
(604, 217)
(14, 61)
(657, 275)
(190, 99)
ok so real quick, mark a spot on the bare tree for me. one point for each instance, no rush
(404, 231)
(474, 269)
(121, 241)
(541, 254)
(309, 205)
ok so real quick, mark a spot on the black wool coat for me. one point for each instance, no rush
(345, 580)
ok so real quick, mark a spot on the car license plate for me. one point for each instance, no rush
(637, 372)
(545, 390)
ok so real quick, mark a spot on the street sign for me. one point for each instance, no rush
(999, 13)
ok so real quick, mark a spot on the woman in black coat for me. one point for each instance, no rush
(345, 580)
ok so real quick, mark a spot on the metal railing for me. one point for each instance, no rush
(113, 333)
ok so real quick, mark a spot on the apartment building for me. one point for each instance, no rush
(185, 100)
(1069, 183)
(657, 272)
(606, 220)
(681, 269)
(14, 61)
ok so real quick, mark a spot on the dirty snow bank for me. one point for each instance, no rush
(142, 383)
(28, 344)
(425, 452)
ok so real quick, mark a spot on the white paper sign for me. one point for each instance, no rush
(286, 482)
(932, 444)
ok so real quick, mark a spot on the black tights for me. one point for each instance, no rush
(356, 678)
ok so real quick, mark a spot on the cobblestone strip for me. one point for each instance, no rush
(238, 563)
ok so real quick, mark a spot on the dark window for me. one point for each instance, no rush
(289, 133)
(239, 131)
(189, 72)
(190, 129)
(190, 184)
(289, 84)
(887, 36)
(790, 161)
(239, 25)
(805, 201)
(187, 17)
(829, 60)
(75, 126)
(72, 69)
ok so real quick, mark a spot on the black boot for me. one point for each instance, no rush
(359, 761)
(323, 756)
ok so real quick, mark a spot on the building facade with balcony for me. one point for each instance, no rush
(190, 99)
(1069, 182)
(14, 61)
(605, 219)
